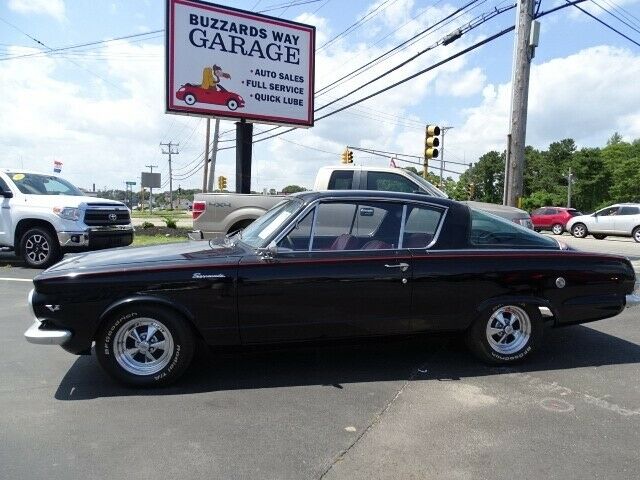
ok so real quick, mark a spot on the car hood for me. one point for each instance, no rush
(69, 201)
(139, 258)
(579, 218)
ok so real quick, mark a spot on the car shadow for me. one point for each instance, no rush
(436, 357)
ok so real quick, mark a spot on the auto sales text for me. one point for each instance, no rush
(277, 47)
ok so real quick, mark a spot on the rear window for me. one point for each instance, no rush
(389, 182)
(628, 211)
(341, 180)
(490, 231)
(574, 213)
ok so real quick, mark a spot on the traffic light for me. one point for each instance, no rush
(347, 156)
(222, 183)
(431, 142)
(471, 190)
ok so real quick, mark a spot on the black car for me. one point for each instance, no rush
(326, 265)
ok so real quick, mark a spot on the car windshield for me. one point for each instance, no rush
(36, 184)
(491, 231)
(429, 188)
(264, 227)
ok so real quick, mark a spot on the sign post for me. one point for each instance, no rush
(238, 65)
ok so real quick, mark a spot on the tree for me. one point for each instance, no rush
(289, 189)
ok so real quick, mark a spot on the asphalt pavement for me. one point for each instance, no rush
(402, 408)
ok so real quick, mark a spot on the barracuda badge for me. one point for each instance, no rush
(53, 308)
(200, 276)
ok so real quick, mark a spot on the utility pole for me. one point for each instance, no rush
(170, 151)
(570, 180)
(206, 157)
(150, 167)
(214, 155)
(524, 46)
(444, 130)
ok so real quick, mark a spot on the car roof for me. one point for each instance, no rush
(308, 197)
(6, 170)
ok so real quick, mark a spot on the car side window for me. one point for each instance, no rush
(390, 182)
(421, 225)
(299, 236)
(341, 180)
(607, 212)
(539, 211)
(629, 211)
(356, 226)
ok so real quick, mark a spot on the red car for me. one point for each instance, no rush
(191, 94)
(552, 218)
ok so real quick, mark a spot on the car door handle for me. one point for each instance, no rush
(402, 266)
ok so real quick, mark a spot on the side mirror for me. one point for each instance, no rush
(7, 193)
(267, 253)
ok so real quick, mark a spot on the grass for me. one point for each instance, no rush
(146, 240)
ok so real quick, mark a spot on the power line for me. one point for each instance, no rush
(604, 23)
(632, 27)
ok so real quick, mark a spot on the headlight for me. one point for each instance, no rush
(68, 213)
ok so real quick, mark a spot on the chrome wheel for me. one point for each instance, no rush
(143, 346)
(557, 229)
(579, 230)
(508, 329)
(37, 249)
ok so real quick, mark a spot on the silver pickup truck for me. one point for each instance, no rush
(216, 214)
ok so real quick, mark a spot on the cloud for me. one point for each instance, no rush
(54, 8)
(461, 85)
(586, 96)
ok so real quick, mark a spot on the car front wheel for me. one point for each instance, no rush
(190, 99)
(505, 334)
(39, 249)
(557, 229)
(145, 346)
(636, 234)
(232, 104)
(579, 230)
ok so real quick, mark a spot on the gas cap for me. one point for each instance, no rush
(560, 282)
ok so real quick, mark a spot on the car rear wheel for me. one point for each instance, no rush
(232, 104)
(598, 236)
(579, 230)
(39, 249)
(636, 234)
(190, 99)
(145, 346)
(557, 229)
(505, 334)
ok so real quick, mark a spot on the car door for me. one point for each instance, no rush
(604, 220)
(339, 272)
(5, 215)
(626, 219)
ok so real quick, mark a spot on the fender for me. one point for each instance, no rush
(146, 300)
(519, 299)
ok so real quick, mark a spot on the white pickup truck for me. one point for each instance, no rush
(216, 214)
(43, 216)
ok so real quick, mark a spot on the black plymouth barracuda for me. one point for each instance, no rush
(322, 266)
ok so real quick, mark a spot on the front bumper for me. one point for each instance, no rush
(35, 334)
(43, 336)
(97, 237)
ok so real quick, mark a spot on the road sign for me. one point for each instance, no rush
(130, 183)
(150, 180)
(232, 63)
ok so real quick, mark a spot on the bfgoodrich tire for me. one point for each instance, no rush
(505, 334)
(145, 346)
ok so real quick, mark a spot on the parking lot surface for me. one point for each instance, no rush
(401, 408)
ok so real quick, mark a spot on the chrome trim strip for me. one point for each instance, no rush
(313, 229)
(30, 301)
(402, 220)
(46, 337)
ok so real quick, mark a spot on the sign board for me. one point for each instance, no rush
(235, 64)
(130, 184)
(150, 180)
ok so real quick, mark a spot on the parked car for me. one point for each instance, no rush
(553, 218)
(44, 216)
(620, 220)
(216, 214)
(325, 266)
(191, 94)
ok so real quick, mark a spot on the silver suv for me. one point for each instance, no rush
(621, 220)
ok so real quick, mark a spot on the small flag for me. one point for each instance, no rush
(57, 166)
(392, 163)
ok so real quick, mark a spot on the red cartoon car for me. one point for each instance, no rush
(191, 94)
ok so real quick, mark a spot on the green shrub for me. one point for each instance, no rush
(146, 225)
(170, 222)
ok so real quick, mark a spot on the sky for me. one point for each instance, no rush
(100, 109)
